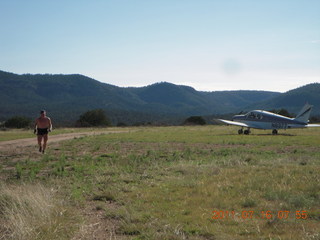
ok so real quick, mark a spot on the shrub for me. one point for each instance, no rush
(93, 118)
(195, 120)
(18, 122)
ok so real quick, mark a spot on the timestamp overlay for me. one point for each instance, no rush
(262, 214)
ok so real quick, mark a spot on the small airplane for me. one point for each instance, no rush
(260, 119)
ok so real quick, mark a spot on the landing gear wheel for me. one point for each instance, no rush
(240, 131)
(246, 132)
(274, 132)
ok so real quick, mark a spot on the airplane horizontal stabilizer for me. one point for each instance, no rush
(233, 123)
(313, 125)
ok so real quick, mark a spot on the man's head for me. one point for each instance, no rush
(43, 112)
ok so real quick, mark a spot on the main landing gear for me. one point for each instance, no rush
(246, 132)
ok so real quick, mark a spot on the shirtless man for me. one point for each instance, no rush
(42, 126)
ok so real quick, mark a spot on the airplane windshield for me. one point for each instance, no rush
(254, 115)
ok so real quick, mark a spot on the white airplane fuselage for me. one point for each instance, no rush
(266, 120)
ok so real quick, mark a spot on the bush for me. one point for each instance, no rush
(195, 120)
(18, 122)
(93, 118)
(315, 119)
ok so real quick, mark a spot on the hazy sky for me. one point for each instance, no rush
(207, 44)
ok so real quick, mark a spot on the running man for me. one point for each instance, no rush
(42, 127)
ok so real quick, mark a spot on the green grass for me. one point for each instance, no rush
(12, 134)
(166, 182)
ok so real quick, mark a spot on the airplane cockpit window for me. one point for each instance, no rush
(253, 115)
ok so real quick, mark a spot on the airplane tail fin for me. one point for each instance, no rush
(304, 114)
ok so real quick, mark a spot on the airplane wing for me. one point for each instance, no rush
(313, 125)
(234, 123)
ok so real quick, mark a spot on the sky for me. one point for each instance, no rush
(210, 45)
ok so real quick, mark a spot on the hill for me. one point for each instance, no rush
(65, 97)
(293, 100)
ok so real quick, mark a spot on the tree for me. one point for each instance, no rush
(195, 120)
(18, 122)
(282, 111)
(93, 118)
(315, 119)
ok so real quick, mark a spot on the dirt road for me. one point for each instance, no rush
(18, 143)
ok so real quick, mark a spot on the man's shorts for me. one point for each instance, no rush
(42, 131)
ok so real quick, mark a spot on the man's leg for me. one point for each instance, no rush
(39, 142)
(45, 139)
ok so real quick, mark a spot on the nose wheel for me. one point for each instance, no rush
(274, 132)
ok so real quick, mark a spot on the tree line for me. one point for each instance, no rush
(98, 118)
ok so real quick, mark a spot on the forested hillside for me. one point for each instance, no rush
(66, 97)
(293, 100)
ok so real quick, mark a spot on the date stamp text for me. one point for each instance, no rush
(267, 214)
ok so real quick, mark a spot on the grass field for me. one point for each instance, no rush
(165, 183)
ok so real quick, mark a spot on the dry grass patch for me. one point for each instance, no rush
(32, 211)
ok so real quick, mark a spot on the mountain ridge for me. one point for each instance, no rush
(68, 96)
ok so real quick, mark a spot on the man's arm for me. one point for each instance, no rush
(50, 124)
(35, 126)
